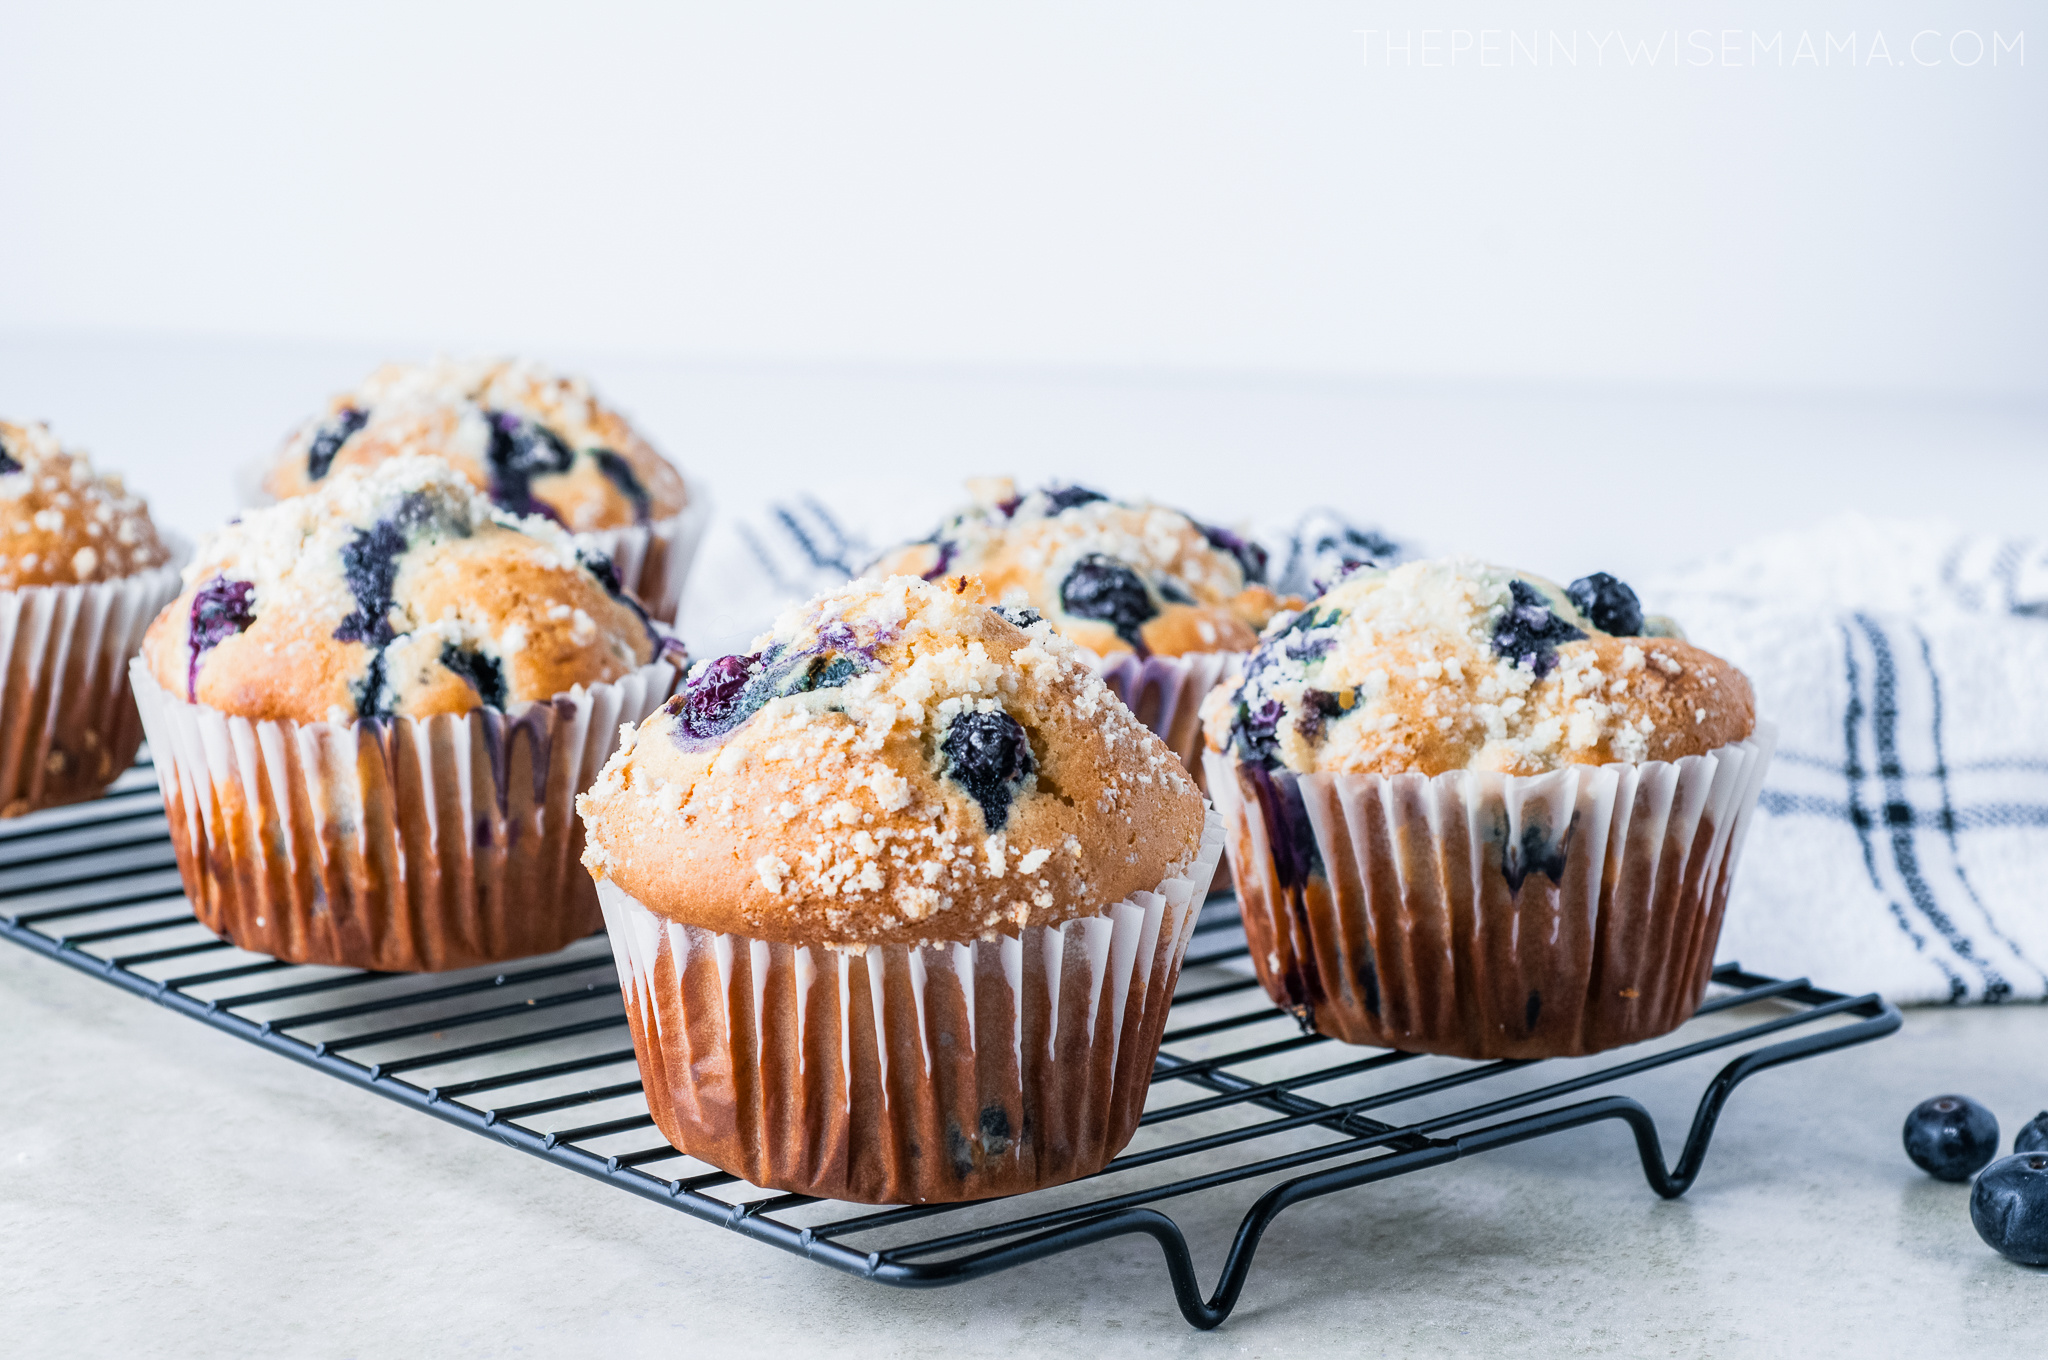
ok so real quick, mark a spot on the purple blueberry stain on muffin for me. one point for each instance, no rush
(521, 450)
(988, 755)
(947, 548)
(1251, 558)
(620, 474)
(483, 673)
(1102, 588)
(8, 462)
(606, 571)
(1060, 499)
(713, 701)
(328, 439)
(1529, 632)
(220, 609)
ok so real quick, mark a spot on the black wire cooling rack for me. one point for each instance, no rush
(537, 1056)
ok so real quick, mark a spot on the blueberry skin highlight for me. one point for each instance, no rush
(2033, 1135)
(2009, 1207)
(1609, 603)
(989, 755)
(1099, 587)
(1951, 1138)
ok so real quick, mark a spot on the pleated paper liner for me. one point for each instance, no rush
(1165, 693)
(906, 1074)
(654, 558)
(67, 725)
(396, 844)
(1485, 915)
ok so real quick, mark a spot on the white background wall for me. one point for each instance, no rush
(1603, 316)
(1175, 184)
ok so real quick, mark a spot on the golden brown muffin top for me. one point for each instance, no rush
(396, 590)
(895, 762)
(538, 443)
(1456, 664)
(61, 523)
(1112, 576)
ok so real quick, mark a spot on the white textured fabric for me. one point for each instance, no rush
(1902, 841)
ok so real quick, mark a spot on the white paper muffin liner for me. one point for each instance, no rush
(654, 558)
(67, 727)
(1165, 693)
(901, 1074)
(1486, 915)
(397, 844)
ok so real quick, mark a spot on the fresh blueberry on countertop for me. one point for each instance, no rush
(620, 474)
(1021, 615)
(1099, 587)
(484, 675)
(1609, 603)
(2009, 1207)
(521, 450)
(1951, 1137)
(1062, 498)
(1530, 631)
(2033, 1135)
(989, 755)
(220, 609)
(328, 439)
(1251, 558)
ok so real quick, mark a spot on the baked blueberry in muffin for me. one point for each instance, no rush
(536, 442)
(1114, 576)
(395, 590)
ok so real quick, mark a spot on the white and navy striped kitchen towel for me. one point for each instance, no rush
(1903, 845)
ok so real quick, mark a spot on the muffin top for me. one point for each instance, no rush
(1110, 575)
(537, 442)
(1455, 665)
(895, 762)
(63, 524)
(393, 590)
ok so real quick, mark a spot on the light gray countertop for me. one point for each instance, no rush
(170, 1190)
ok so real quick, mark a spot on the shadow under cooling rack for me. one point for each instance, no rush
(537, 1055)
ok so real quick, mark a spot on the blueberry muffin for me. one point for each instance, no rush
(1456, 665)
(372, 709)
(1473, 813)
(536, 442)
(82, 570)
(1112, 576)
(907, 876)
